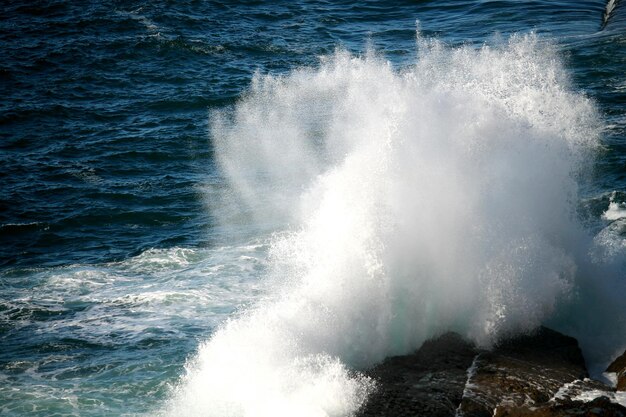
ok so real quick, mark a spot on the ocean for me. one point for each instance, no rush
(231, 208)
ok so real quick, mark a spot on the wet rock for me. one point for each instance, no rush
(583, 388)
(525, 371)
(429, 382)
(619, 368)
(538, 375)
(601, 406)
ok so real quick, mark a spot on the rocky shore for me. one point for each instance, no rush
(539, 375)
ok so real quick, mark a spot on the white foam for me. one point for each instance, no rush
(575, 391)
(609, 243)
(469, 385)
(616, 397)
(615, 211)
(157, 288)
(441, 197)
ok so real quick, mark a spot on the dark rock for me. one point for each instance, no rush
(537, 375)
(571, 391)
(600, 407)
(429, 382)
(524, 371)
(619, 367)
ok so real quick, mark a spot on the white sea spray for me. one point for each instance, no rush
(437, 198)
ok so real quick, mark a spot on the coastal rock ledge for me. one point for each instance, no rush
(538, 375)
(618, 368)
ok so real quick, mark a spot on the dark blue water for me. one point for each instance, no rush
(113, 265)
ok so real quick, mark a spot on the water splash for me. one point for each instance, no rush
(441, 197)
(608, 12)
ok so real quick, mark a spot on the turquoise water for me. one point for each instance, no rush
(135, 219)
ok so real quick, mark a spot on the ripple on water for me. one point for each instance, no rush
(125, 325)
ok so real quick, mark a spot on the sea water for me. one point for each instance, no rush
(231, 208)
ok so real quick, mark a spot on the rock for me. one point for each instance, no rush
(538, 375)
(600, 406)
(429, 382)
(583, 388)
(524, 371)
(619, 368)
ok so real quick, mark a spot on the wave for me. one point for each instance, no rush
(120, 301)
(441, 197)
(608, 11)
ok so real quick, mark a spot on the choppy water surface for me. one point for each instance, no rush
(341, 180)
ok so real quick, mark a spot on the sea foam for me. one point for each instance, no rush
(441, 197)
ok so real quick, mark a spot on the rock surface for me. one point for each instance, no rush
(600, 406)
(539, 375)
(429, 382)
(619, 368)
(523, 372)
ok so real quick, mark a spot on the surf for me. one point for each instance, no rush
(402, 204)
